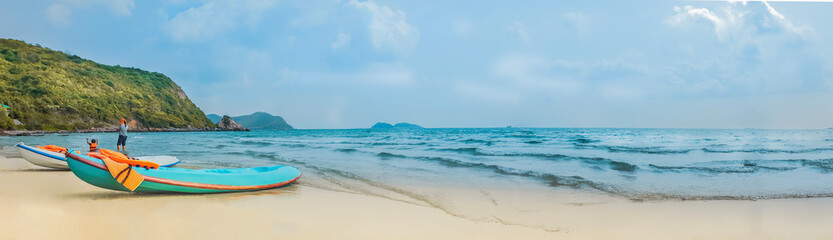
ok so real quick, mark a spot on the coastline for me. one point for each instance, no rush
(47, 204)
(41, 203)
(113, 129)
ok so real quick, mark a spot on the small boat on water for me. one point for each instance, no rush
(52, 156)
(100, 173)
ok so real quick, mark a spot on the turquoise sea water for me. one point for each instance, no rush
(650, 164)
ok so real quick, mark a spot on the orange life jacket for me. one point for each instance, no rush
(119, 157)
(93, 146)
(53, 148)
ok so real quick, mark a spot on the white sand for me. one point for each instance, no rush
(40, 204)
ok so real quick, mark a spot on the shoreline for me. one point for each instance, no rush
(14, 133)
(47, 204)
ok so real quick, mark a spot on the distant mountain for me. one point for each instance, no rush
(402, 125)
(258, 120)
(381, 125)
(406, 125)
(214, 117)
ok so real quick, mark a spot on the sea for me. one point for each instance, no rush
(451, 169)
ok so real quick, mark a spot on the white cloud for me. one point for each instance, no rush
(215, 17)
(687, 14)
(761, 51)
(342, 40)
(803, 31)
(389, 30)
(738, 21)
(59, 14)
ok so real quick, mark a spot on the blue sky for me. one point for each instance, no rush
(349, 64)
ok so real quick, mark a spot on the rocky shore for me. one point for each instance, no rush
(111, 129)
(226, 124)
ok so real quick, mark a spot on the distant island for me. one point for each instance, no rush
(46, 90)
(256, 121)
(402, 125)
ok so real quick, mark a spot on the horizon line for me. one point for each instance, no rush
(692, 128)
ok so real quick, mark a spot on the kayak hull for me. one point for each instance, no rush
(43, 158)
(49, 159)
(179, 180)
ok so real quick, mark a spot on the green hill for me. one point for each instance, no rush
(52, 90)
(258, 120)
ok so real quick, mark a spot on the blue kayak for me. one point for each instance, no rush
(94, 171)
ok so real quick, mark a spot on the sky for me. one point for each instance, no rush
(350, 64)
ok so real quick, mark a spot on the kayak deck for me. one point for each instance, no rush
(165, 179)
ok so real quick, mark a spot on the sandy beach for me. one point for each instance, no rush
(39, 203)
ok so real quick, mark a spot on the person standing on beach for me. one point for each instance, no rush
(122, 135)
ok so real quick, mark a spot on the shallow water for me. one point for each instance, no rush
(651, 164)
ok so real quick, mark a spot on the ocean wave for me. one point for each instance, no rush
(622, 166)
(346, 150)
(744, 168)
(477, 141)
(584, 140)
(550, 179)
(627, 149)
(615, 165)
(387, 155)
(524, 136)
(655, 196)
(752, 166)
(465, 150)
(620, 187)
(293, 145)
(765, 150)
(394, 144)
(533, 142)
(255, 143)
(648, 150)
(825, 165)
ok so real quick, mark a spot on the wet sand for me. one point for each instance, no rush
(37, 203)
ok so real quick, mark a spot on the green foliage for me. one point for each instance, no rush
(51, 90)
(5, 122)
